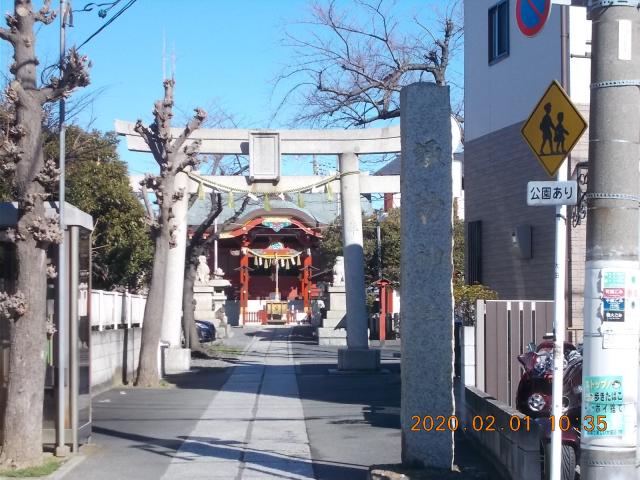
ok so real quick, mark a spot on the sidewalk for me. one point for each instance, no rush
(274, 412)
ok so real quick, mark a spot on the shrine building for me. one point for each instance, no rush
(270, 255)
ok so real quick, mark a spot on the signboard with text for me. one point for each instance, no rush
(552, 193)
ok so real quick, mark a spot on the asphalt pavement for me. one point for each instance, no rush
(278, 411)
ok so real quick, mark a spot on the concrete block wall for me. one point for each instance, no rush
(114, 357)
(514, 451)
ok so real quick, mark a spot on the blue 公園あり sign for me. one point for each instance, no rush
(532, 15)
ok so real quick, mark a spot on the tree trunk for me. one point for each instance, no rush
(152, 324)
(22, 439)
(188, 306)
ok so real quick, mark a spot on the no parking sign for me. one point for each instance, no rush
(532, 15)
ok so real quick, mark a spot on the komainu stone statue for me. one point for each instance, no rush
(202, 272)
(338, 272)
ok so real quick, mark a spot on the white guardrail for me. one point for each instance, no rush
(113, 310)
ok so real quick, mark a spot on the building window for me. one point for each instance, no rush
(499, 31)
(473, 253)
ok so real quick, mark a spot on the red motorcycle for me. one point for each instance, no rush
(533, 398)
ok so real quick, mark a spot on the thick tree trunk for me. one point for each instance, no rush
(23, 307)
(22, 436)
(152, 325)
(172, 157)
(22, 439)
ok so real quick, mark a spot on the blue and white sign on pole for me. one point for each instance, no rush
(532, 15)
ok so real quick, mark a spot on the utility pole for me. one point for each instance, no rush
(612, 322)
(61, 448)
(560, 281)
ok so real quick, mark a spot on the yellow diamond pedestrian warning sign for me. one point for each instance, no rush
(553, 128)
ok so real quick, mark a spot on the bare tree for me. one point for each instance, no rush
(197, 245)
(23, 307)
(173, 156)
(351, 63)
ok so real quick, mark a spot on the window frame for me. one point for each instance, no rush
(493, 30)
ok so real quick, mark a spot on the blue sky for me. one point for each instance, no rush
(226, 53)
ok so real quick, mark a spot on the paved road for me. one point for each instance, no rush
(276, 412)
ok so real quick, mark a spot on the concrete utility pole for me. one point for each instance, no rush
(612, 320)
(61, 448)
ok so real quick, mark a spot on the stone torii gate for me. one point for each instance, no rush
(426, 259)
(264, 148)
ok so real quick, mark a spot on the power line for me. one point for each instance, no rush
(107, 23)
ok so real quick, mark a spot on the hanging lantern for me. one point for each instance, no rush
(230, 200)
(300, 200)
(267, 204)
(200, 191)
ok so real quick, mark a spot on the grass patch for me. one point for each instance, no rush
(49, 466)
(223, 351)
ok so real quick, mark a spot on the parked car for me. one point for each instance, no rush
(206, 331)
(533, 398)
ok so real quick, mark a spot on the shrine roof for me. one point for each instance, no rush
(317, 210)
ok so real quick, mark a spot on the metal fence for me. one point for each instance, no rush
(502, 331)
(113, 310)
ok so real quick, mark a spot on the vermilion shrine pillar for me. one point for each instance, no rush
(384, 307)
(305, 284)
(244, 282)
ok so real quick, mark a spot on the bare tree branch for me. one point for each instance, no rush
(74, 74)
(198, 235)
(8, 35)
(45, 14)
(192, 126)
(352, 63)
(151, 218)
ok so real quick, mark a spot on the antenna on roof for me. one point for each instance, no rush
(164, 55)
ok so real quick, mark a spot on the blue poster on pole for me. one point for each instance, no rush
(613, 295)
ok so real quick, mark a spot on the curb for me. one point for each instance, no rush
(66, 467)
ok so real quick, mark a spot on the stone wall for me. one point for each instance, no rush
(114, 357)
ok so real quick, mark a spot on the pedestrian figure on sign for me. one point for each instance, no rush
(547, 128)
(560, 133)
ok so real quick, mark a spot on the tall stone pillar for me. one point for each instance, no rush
(357, 355)
(426, 272)
(177, 359)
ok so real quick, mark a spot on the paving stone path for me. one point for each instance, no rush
(254, 428)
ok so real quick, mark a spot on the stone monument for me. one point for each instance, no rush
(333, 330)
(426, 272)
